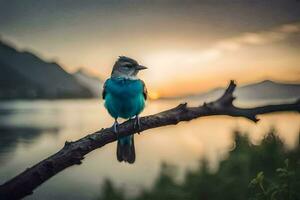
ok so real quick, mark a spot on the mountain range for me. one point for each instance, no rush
(266, 90)
(23, 75)
(94, 84)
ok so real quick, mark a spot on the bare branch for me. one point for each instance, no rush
(73, 152)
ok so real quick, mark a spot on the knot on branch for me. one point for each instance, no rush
(67, 143)
(97, 135)
(210, 106)
(76, 159)
(99, 131)
(253, 118)
(182, 107)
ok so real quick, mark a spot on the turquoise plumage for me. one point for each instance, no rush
(125, 97)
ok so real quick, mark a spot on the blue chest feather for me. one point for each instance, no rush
(124, 97)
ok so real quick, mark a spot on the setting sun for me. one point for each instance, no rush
(153, 95)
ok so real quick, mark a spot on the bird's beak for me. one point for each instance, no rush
(141, 67)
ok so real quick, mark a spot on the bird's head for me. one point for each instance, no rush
(126, 67)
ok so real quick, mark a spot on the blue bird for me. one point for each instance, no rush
(125, 97)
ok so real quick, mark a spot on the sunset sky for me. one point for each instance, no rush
(189, 46)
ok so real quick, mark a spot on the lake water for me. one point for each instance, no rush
(33, 130)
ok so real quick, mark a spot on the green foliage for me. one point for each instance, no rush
(275, 169)
(284, 187)
(110, 192)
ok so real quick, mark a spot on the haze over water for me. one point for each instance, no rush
(34, 130)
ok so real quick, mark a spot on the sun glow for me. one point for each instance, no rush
(153, 95)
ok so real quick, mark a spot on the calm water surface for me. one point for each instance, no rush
(31, 131)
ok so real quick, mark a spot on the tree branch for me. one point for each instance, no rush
(73, 152)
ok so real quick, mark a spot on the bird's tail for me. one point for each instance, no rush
(126, 150)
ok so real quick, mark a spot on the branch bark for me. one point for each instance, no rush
(73, 152)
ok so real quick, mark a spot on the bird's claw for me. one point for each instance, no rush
(115, 128)
(137, 124)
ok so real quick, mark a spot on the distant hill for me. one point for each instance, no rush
(264, 91)
(95, 84)
(23, 75)
(267, 89)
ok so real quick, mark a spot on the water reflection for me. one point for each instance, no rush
(13, 136)
(30, 131)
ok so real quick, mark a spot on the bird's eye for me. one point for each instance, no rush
(127, 66)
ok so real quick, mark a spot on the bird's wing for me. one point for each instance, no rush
(145, 92)
(104, 90)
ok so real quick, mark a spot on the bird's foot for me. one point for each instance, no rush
(116, 128)
(137, 124)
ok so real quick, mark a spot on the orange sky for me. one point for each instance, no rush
(247, 57)
(188, 47)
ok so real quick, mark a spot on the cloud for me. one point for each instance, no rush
(180, 63)
(259, 38)
(231, 44)
(254, 38)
